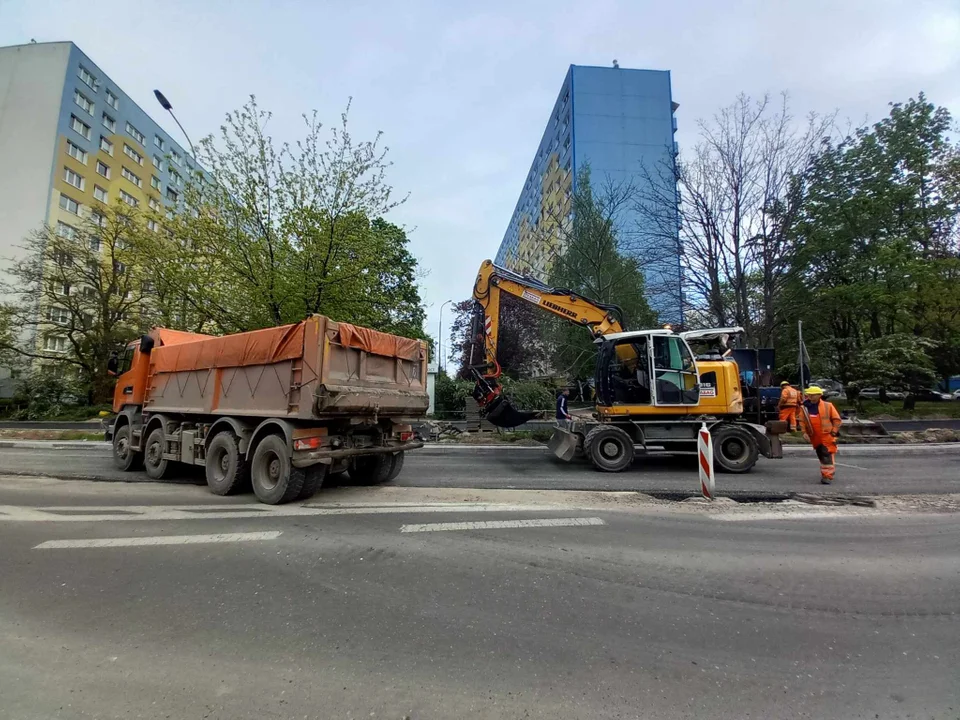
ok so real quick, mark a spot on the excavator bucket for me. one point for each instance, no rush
(563, 444)
(502, 413)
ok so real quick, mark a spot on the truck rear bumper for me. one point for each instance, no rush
(312, 457)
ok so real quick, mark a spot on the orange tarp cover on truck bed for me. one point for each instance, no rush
(259, 347)
(378, 343)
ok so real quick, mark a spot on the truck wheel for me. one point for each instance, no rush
(124, 456)
(154, 464)
(609, 447)
(735, 450)
(370, 469)
(227, 470)
(275, 480)
(312, 480)
(397, 467)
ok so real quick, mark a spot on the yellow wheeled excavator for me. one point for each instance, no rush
(652, 393)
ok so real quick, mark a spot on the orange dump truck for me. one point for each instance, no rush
(278, 408)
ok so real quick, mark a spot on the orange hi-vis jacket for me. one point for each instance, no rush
(822, 428)
(789, 397)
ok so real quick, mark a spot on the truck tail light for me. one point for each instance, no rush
(406, 436)
(310, 443)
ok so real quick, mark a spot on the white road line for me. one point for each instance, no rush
(158, 540)
(856, 467)
(500, 524)
(120, 513)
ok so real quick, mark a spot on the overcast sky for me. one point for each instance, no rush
(462, 91)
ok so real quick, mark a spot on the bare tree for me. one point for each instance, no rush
(739, 194)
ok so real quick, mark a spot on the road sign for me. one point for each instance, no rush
(705, 457)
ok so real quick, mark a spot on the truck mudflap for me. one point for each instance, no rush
(312, 457)
(563, 444)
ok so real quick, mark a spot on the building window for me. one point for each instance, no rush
(109, 123)
(66, 231)
(89, 78)
(55, 343)
(95, 244)
(152, 225)
(69, 204)
(158, 163)
(83, 102)
(154, 203)
(129, 199)
(76, 152)
(135, 134)
(99, 193)
(132, 154)
(106, 146)
(155, 182)
(72, 178)
(62, 288)
(175, 178)
(175, 156)
(119, 268)
(58, 315)
(98, 219)
(103, 169)
(172, 194)
(158, 141)
(131, 177)
(79, 127)
(113, 101)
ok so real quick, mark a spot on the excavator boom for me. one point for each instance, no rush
(492, 280)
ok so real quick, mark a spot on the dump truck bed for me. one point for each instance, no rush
(314, 369)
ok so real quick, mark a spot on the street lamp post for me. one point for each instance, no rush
(166, 105)
(440, 337)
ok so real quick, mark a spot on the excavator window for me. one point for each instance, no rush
(675, 372)
(627, 377)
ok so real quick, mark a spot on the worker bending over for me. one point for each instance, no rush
(821, 426)
(789, 406)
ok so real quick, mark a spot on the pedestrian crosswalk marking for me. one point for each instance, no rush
(157, 540)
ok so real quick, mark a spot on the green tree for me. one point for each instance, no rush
(877, 238)
(81, 292)
(275, 233)
(900, 361)
(593, 265)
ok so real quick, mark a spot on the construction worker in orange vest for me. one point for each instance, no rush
(821, 426)
(789, 406)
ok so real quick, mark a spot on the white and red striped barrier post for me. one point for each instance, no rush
(705, 458)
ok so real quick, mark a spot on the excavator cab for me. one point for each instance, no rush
(647, 368)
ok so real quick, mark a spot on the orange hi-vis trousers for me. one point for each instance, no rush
(791, 416)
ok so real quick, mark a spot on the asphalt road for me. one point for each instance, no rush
(326, 611)
(861, 470)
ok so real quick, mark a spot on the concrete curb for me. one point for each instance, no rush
(444, 449)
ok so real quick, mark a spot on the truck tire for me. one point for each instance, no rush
(735, 450)
(124, 457)
(370, 469)
(154, 464)
(397, 466)
(312, 480)
(275, 481)
(226, 468)
(609, 447)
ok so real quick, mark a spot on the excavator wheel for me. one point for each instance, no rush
(609, 447)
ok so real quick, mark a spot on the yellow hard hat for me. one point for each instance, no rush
(813, 390)
(785, 382)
